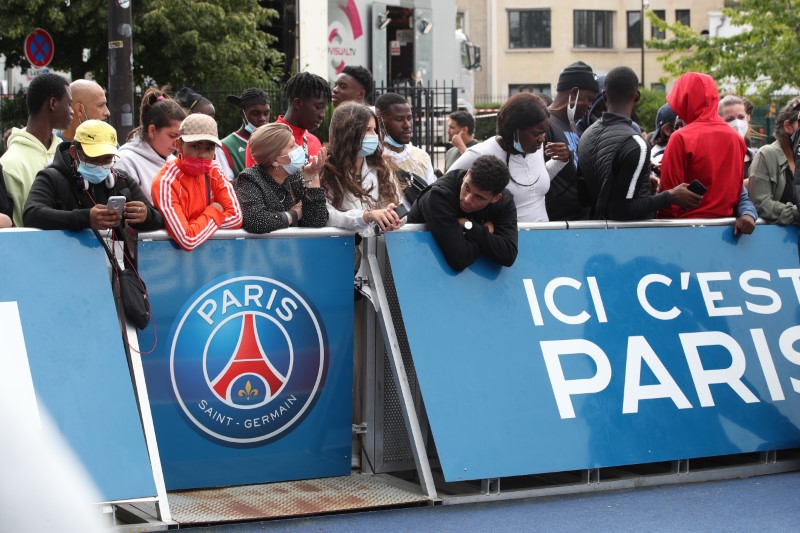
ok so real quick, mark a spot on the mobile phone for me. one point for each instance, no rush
(116, 203)
(697, 188)
(401, 210)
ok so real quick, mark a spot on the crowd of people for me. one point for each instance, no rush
(581, 156)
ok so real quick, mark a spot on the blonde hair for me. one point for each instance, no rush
(267, 142)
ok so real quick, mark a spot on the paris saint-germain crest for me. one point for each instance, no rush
(247, 359)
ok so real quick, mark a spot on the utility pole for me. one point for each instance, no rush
(120, 69)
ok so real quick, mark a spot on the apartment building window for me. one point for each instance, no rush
(683, 16)
(529, 29)
(655, 33)
(593, 29)
(634, 29)
(541, 88)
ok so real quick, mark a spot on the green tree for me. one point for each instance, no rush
(183, 42)
(766, 52)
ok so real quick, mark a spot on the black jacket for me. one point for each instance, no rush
(615, 164)
(59, 200)
(440, 208)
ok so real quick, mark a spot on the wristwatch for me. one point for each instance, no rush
(467, 225)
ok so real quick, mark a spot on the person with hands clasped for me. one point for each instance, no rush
(360, 188)
(278, 191)
(471, 213)
(73, 192)
(191, 191)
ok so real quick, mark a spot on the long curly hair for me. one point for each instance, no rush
(339, 173)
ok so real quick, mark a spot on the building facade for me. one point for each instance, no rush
(526, 43)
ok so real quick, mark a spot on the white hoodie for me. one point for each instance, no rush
(140, 162)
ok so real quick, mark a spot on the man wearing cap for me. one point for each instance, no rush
(88, 103)
(191, 191)
(254, 108)
(73, 191)
(615, 160)
(576, 89)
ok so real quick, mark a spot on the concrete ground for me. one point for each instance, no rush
(761, 503)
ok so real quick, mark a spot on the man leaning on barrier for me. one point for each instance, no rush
(470, 213)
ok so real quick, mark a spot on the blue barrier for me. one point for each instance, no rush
(55, 286)
(251, 378)
(605, 347)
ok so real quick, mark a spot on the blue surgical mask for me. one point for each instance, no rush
(249, 128)
(388, 139)
(368, 145)
(517, 144)
(571, 109)
(94, 174)
(297, 160)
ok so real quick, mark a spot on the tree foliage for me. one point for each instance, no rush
(766, 52)
(182, 42)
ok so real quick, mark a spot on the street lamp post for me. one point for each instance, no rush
(645, 5)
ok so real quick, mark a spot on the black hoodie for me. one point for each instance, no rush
(59, 198)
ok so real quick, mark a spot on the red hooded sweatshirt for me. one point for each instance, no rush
(706, 149)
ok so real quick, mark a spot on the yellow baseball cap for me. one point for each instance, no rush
(97, 138)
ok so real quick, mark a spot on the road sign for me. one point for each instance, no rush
(39, 48)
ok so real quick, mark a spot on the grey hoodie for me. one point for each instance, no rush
(140, 162)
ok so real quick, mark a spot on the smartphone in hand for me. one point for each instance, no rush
(401, 211)
(697, 188)
(116, 203)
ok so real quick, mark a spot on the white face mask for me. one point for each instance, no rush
(741, 126)
(571, 109)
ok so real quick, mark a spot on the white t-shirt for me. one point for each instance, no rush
(530, 176)
(352, 216)
(414, 160)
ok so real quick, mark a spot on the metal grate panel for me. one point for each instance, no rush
(288, 499)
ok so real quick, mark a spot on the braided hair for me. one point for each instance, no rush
(305, 85)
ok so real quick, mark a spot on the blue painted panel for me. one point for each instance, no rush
(76, 355)
(515, 385)
(251, 377)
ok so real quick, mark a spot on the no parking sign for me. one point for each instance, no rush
(39, 48)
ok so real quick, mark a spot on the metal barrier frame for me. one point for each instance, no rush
(438, 490)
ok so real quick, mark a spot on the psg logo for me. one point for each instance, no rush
(247, 360)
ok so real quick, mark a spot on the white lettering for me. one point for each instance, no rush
(709, 296)
(786, 343)
(641, 293)
(549, 301)
(744, 281)
(767, 364)
(639, 350)
(206, 314)
(533, 302)
(564, 389)
(703, 378)
(228, 299)
(252, 293)
(794, 275)
(285, 314)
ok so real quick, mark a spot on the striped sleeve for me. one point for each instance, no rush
(175, 204)
(224, 194)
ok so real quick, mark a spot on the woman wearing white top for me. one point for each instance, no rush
(150, 146)
(521, 126)
(359, 187)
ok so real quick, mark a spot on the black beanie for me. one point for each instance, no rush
(578, 75)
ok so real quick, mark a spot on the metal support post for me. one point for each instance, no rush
(399, 372)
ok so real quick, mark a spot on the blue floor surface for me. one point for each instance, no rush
(757, 504)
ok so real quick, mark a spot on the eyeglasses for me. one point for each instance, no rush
(105, 166)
